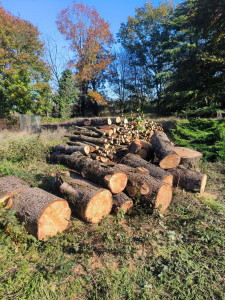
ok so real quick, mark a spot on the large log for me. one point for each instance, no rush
(123, 202)
(43, 213)
(136, 161)
(101, 121)
(189, 158)
(88, 200)
(188, 179)
(147, 188)
(9, 186)
(93, 170)
(168, 158)
(70, 149)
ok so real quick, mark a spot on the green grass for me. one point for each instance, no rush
(137, 256)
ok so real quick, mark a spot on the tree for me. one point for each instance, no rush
(67, 94)
(90, 40)
(24, 75)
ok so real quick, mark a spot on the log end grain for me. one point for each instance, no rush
(99, 207)
(168, 179)
(164, 197)
(116, 182)
(170, 161)
(55, 218)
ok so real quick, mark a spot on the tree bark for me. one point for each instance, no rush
(93, 170)
(43, 213)
(70, 149)
(189, 158)
(84, 138)
(91, 202)
(135, 161)
(189, 180)
(165, 152)
(101, 121)
(122, 201)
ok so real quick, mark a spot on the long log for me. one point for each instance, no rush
(116, 120)
(84, 138)
(189, 158)
(93, 147)
(188, 179)
(101, 121)
(70, 149)
(9, 186)
(123, 202)
(168, 158)
(93, 170)
(43, 213)
(86, 133)
(96, 130)
(136, 161)
(91, 202)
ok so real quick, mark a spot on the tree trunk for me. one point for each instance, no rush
(135, 161)
(93, 170)
(9, 186)
(122, 201)
(189, 158)
(70, 149)
(88, 200)
(189, 180)
(43, 213)
(165, 152)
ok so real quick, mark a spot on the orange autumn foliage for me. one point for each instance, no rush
(96, 97)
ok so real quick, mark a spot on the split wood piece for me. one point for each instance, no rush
(161, 192)
(70, 149)
(122, 201)
(116, 120)
(164, 151)
(94, 129)
(135, 161)
(188, 179)
(43, 213)
(88, 139)
(91, 146)
(86, 133)
(189, 158)
(101, 121)
(93, 170)
(142, 148)
(91, 202)
(9, 186)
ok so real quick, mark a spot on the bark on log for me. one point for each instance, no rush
(116, 120)
(91, 202)
(9, 186)
(101, 121)
(135, 161)
(138, 180)
(142, 148)
(86, 133)
(189, 158)
(164, 151)
(189, 180)
(82, 122)
(93, 170)
(94, 129)
(122, 201)
(93, 147)
(43, 213)
(84, 138)
(70, 149)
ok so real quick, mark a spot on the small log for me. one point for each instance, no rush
(135, 161)
(91, 202)
(43, 213)
(142, 148)
(82, 122)
(95, 130)
(92, 148)
(84, 138)
(122, 201)
(70, 149)
(86, 133)
(189, 158)
(188, 179)
(9, 186)
(164, 151)
(93, 170)
(101, 121)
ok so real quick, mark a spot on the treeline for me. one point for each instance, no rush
(171, 59)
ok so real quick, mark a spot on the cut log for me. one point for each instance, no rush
(86, 133)
(82, 122)
(93, 170)
(9, 186)
(84, 138)
(135, 161)
(43, 213)
(140, 184)
(189, 158)
(70, 149)
(116, 120)
(95, 130)
(101, 121)
(88, 200)
(123, 202)
(168, 158)
(93, 147)
(188, 179)
(142, 148)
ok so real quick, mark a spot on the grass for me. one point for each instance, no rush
(137, 256)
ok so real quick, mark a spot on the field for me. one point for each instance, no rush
(179, 255)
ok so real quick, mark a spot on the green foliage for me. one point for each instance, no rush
(206, 136)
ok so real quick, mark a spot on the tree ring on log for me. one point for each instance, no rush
(170, 161)
(116, 182)
(164, 197)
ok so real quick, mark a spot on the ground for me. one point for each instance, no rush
(179, 255)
